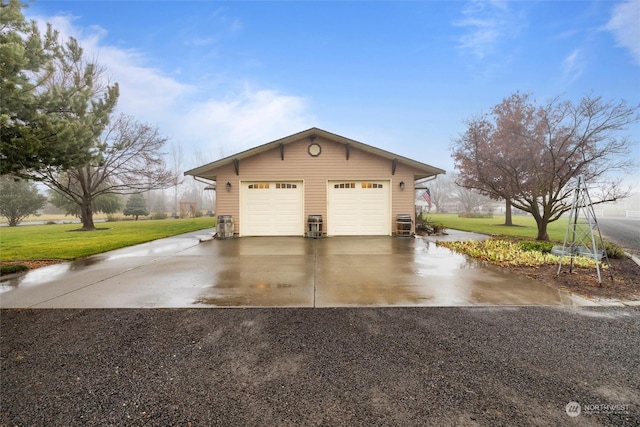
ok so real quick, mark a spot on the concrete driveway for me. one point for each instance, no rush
(182, 271)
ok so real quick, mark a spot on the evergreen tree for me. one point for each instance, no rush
(19, 198)
(136, 205)
(54, 105)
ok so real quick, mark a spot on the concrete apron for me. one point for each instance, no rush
(277, 272)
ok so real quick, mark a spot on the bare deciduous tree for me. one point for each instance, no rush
(128, 159)
(441, 191)
(177, 159)
(530, 155)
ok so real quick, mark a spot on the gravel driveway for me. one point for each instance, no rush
(340, 366)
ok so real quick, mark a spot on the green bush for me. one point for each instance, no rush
(159, 215)
(536, 246)
(438, 227)
(614, 251)
(112, 218)
(12, 268)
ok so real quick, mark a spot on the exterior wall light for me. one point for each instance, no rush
(402, 185)
(228, 186)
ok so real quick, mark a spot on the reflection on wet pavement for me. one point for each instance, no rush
(276, 272)
(34, 277)
(363, 271)
(275, 280)
(426, 275)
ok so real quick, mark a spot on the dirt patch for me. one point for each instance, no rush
(625, 284)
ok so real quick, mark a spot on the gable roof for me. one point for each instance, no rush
(205, 171)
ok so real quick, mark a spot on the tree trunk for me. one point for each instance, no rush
(542, 229)
(508, 219)
(86, 215)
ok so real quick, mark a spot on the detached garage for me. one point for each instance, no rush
(356, 189)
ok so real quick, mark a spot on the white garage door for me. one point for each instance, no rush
(359, 208)
(271, 209)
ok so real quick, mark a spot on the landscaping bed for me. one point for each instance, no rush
(582, 281)
(620, 279)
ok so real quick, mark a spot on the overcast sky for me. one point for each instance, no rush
(221, 77)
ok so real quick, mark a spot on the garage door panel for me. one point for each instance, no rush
(358, 208)
(272, 209)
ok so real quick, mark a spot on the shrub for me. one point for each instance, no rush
(614, 251)
(159, 215)
(112, 218)
(536, 246)
(438, 227)
(424, 224)
(13, 268)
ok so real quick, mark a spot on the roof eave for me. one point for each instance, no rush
(427, 170)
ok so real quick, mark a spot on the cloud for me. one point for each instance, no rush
(625, 28)
(573, 66)
(252, 117)
(196, 117)
(486, 23)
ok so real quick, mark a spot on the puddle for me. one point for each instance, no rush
(279, 272)
(429, 275)
(35, 277)
(162, 247)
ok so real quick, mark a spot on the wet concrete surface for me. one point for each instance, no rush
(624, 232)
(277, 272)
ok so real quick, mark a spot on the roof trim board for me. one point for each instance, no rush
(206, 170)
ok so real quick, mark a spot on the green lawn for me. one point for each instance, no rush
(59, 241)
(524, 226)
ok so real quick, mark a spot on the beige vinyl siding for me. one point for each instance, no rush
(314, 172)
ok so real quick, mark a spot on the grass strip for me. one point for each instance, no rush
(524, 226)
(60, 241)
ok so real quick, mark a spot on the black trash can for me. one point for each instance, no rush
(224, 227)
(314, 226)
(404, 225)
